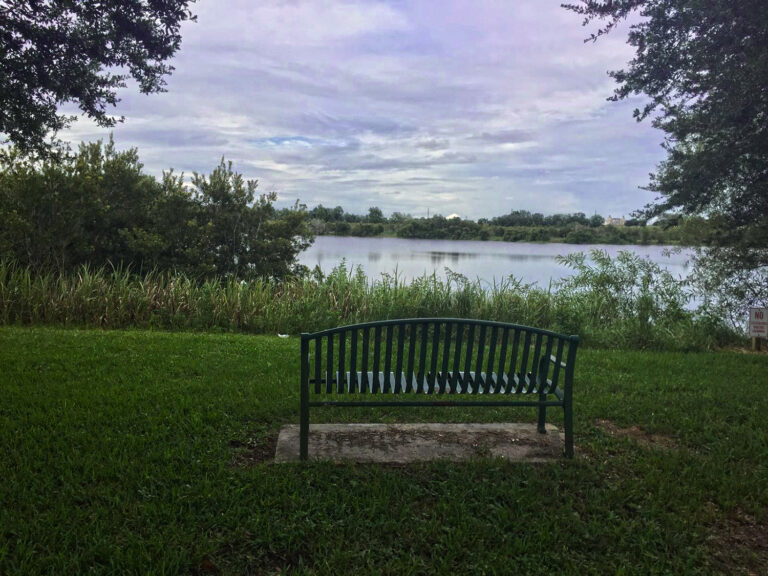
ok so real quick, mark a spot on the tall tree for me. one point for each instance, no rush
(81, 51)
(703, 64)
(375, 215)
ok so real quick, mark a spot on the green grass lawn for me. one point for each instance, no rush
(147, 452)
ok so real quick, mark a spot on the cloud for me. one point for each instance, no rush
(476, 108)
(433, 144)
(504, 137)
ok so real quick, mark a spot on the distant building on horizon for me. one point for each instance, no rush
(615, 221)
(452, 216)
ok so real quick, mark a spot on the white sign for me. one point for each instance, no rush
(758, 322)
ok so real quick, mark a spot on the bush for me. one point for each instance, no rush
(98, 206)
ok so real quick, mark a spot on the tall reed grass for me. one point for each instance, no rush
(625, 302)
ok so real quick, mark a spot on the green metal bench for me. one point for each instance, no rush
(441, 358)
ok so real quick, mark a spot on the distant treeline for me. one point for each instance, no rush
(517, 226)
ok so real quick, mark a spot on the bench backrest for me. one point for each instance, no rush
(436, 355)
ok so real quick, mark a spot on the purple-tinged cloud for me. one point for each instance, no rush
(469, 107)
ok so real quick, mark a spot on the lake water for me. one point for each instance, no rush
(474, 259)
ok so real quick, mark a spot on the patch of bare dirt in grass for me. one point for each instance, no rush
(738, 544)
(206, 568)
(637, 434)
(253, 451)
(762, 352)
(275, 563)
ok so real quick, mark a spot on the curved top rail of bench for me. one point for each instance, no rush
(399, 321)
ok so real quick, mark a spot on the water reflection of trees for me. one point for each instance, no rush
(438, 257)
(453, 257)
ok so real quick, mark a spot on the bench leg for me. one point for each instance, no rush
(304, 406)
(568, 418)
(304, 434)
(541, 385)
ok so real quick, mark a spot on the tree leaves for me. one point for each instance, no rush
(61, 51)
(703, 65)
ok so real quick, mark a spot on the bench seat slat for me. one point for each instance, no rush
(555, 361)
(489, 383)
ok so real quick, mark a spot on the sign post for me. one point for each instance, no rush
(758, 326)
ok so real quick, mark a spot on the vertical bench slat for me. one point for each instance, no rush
(376, 354)
(457, 357)
(342, 379)
(364, 365)
(446, 356)
(411, 357)
(318, 364)
(422, 370)
(524, 362)
(547, 354)
(388, 359)
(513, 362)
(490, 384)
(431, 377)
(329, 366)
(479, 361)
(558, 360)
(412, 334)
(502, 361)
(399, 364)
(353, 363)
(535, 362)
(468, 360)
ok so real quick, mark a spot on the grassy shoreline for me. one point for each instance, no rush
(140, 451)
(624, 302)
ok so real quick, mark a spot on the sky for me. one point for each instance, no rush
(470, 107)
